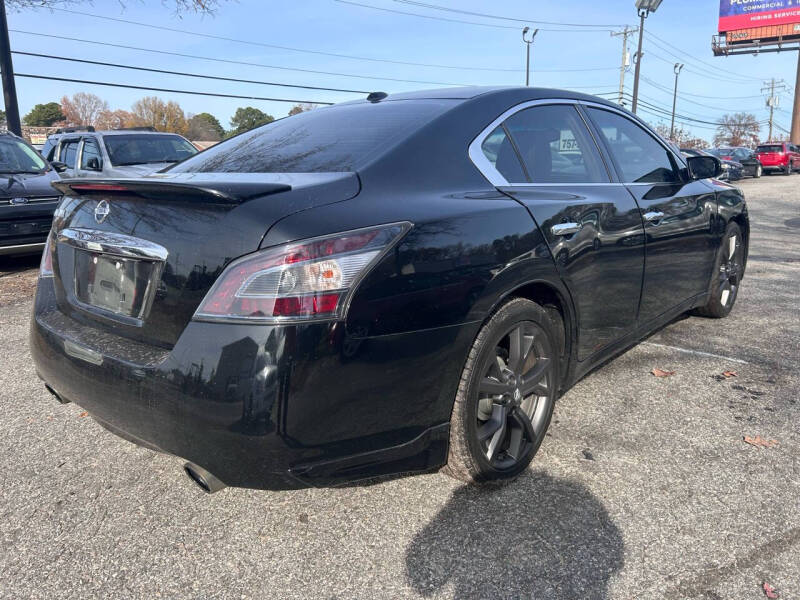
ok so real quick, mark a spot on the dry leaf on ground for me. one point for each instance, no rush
(662, 373)
(83, 414)
(769, 591)
(760, 442)
(729, 374)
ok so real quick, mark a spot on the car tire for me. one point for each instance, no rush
(788, 170)
(495, 429)
(727, 274)
(759, 172)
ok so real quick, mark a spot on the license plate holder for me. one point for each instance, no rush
(113, 284)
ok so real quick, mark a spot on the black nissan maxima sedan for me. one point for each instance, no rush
(391, 285)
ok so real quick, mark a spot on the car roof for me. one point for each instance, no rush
(105, 132)
(514, 93)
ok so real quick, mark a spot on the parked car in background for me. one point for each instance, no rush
(778, 157)
(383, 286)
(131, 152)
(731, 170)
(27, 200)
(744, 156)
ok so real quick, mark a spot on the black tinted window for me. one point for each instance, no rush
(770, 148)
(90, 151)
(69, 151)
(640, 157)
(338, 138)
(555, 146)
(498, 150)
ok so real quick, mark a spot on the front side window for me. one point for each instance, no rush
(639, 156)
(90, 151)
(69, 151)
(17, 157)
(147, 148)
(555, 146)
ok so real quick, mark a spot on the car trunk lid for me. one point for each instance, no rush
(137, 256)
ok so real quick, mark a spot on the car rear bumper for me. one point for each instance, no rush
(262, 406)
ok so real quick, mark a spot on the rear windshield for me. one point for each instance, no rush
(17, 157)
(140, 149)
(773, 148)
(338, 138)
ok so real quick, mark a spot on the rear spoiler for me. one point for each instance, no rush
(207, 192)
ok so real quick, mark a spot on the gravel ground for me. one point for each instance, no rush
(643, 489)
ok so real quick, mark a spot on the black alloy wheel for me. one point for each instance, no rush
(506, 396)
(728, 272)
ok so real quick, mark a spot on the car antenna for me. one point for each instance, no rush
(376, 96)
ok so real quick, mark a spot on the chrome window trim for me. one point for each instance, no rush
(494, 177)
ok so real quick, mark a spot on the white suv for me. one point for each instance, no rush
(131, 152)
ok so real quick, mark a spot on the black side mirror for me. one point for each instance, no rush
(93, 164)
(60, 167)
(704, 167)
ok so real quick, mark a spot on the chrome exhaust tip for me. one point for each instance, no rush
(204, 480)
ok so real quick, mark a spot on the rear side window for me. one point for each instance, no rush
(640, 157)
(69, 152)
(498, 150)
(555, 145)
(339, 138)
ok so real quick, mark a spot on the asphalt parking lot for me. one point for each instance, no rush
(645, 487)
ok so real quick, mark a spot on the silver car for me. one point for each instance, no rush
(131, 152)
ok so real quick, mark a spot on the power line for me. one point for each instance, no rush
(231, 62)
(692, 57)
(435, 18)
(275, 46)
(411, 14)
(503, 18)
(168, 90)
(184, 74)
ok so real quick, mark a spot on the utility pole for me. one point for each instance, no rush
(677, 69)
(794, 136)
(626, 59)
(7, 75)
(772, 100)
(638, 59)
(528, 43)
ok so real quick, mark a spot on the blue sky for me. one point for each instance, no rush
(464, 53)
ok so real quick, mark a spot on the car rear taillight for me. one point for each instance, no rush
(46, 265)
(308, 280)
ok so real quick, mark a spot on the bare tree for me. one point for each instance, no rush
(114, 119)
(301, 107)
(164, 116)
(740, 129)
(179, 6)
(82, 108)
(680, 137)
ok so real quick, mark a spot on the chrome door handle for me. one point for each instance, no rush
(565, 228)
(653, 216)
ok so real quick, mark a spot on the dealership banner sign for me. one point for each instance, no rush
(747, 14)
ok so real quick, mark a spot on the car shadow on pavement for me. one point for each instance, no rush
(541, 537)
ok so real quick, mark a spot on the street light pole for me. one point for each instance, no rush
(677, 69)
(528, 43)
(645, 7)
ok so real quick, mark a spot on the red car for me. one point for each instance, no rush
(782, 157)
